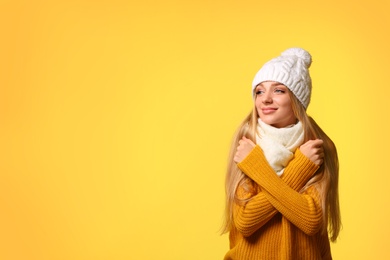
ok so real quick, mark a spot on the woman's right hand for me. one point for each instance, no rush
(313, 150)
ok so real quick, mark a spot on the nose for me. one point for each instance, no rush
(266, 98)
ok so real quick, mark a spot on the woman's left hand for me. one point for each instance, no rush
(245, 146)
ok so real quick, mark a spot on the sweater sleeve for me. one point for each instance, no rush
(303, 210)
(258, 210)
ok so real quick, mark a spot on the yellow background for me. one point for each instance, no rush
(116, 118)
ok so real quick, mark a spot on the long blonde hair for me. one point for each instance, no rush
(325, 179)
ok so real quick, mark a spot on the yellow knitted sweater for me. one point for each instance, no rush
(278, 222)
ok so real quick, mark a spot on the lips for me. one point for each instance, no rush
(268, 110)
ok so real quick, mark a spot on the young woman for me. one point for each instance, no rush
(282, 179)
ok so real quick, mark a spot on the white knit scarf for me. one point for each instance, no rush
(279, 144)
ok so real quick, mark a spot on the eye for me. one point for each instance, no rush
(259, 91)
(281, 91)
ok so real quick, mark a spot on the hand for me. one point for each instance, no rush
(245, 146)
(313, 150)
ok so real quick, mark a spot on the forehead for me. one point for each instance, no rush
(270, 84)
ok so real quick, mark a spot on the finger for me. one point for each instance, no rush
(310, 144)
(315, 141)
(249, 141)
(236, 157)
(318, 142)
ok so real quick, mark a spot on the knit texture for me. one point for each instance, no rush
(278, 222)
(291, 69)
(279, 144)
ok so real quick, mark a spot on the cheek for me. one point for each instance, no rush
(287, 108)
(285, 102)
(257, 104)
(257, 101)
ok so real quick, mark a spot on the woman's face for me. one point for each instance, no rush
(273, 104)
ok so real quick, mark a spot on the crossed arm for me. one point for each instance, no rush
(279, 194)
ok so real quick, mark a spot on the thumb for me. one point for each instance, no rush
(248, 140)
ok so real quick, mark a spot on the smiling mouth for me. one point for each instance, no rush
(268, 110)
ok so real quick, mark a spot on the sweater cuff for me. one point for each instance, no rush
(303, 163)
(254, 161)
(299, 170)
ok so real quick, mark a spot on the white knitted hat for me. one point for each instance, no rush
(292, 70)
